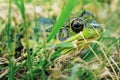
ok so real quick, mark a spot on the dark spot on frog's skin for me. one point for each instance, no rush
(86, 13)
(63, 34)
(77, 25)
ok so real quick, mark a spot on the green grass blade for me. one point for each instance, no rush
(94, 46)
(11, 57)
(21, 7)
(63, 17)
(66, 45)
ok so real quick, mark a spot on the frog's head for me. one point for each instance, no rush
(80, 28)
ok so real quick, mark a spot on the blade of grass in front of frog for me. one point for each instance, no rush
(66, 45)
(89, 55)
(19, 66)
(59, 52)
(91, 49)
(62, 18)
(90, 74)
(114, 40)
(109, 62)
(38, 50)
(73, 73)
(36, 25)
(39, 66)
(21, 7)
(56, 54)
(106, 56)
(63, 48)
(102, 47)
(10, 49)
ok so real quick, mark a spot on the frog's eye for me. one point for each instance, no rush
(77, 25)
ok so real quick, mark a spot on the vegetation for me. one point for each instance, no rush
(28, 51)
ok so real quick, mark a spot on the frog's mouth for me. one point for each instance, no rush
(86, 40)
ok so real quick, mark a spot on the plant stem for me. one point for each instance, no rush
(10, 51)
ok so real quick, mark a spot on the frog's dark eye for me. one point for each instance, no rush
(77, 25)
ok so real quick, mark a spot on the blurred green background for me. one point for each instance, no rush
(107, 13)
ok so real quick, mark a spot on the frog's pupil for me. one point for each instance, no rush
(77, 25)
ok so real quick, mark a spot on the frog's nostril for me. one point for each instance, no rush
(77, 25)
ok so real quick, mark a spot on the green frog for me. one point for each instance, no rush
(77, 35)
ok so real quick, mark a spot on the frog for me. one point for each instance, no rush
(79, 31)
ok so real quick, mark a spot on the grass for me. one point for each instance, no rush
(43, 62)
(21, 7)
(10, 49)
